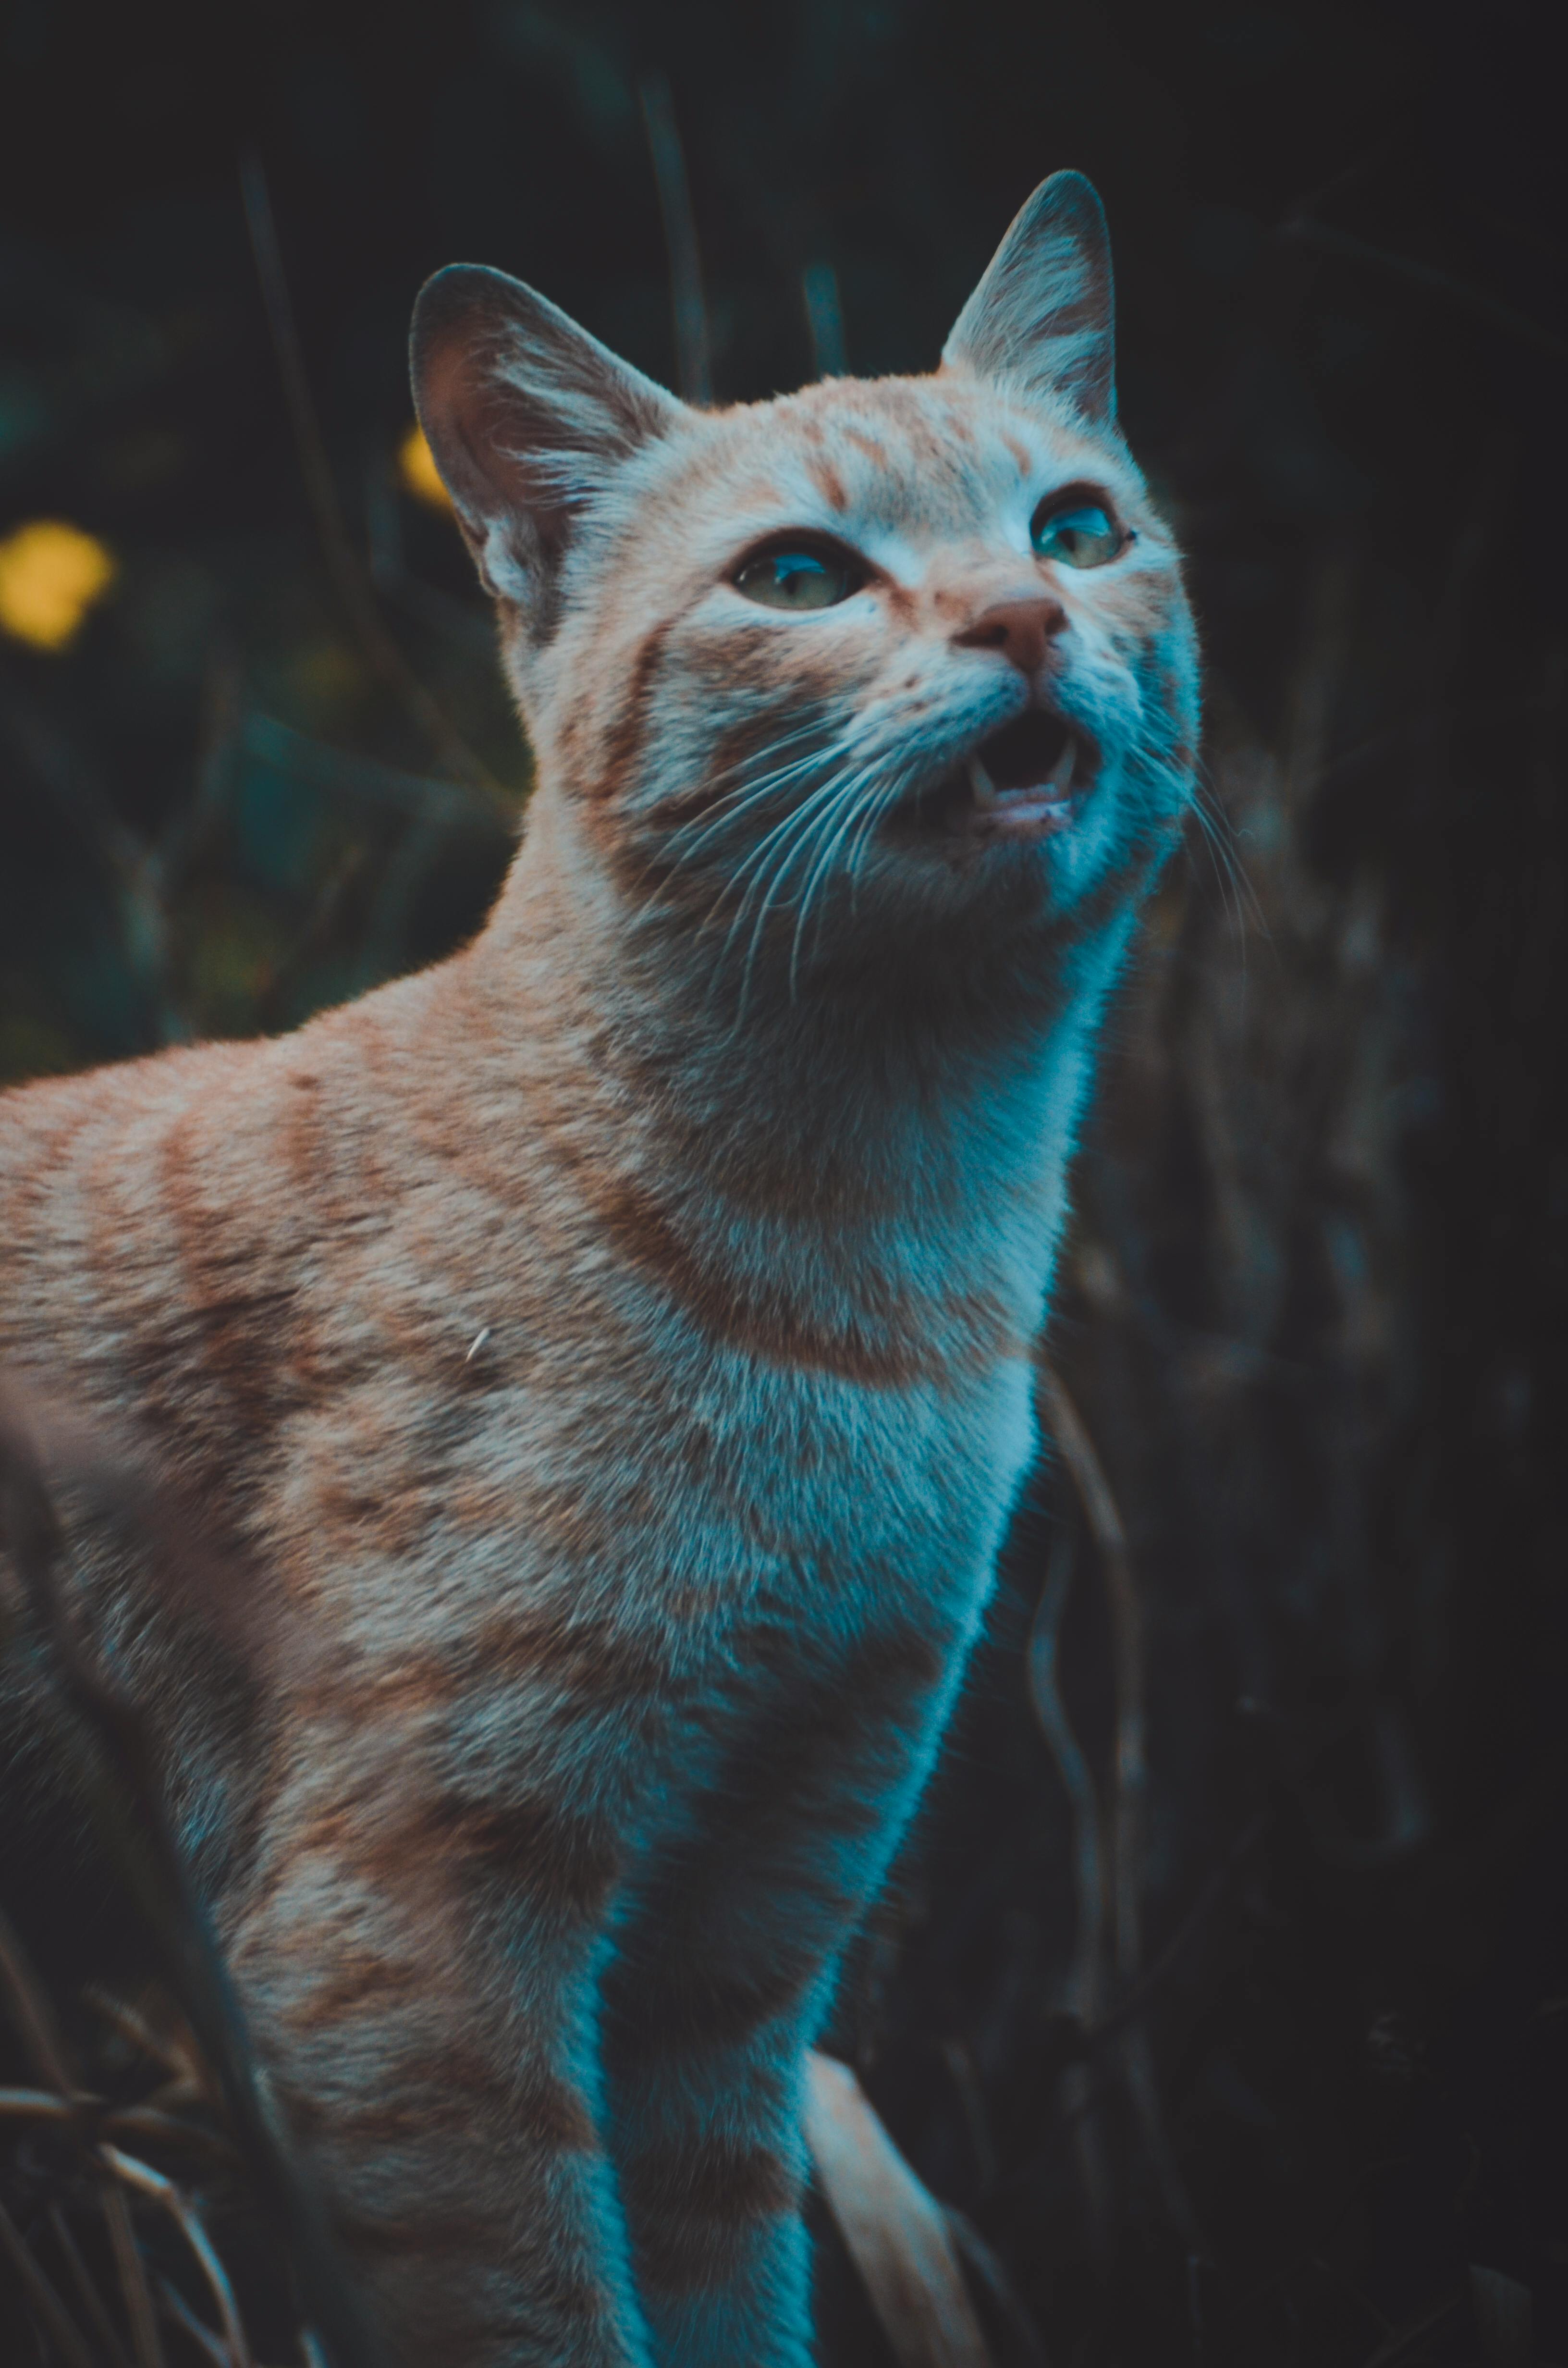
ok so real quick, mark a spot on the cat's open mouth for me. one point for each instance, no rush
(1022, 781)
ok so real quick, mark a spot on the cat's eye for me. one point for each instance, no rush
(792, 576)
(1078, 532)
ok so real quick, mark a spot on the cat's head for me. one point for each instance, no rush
(819, 679)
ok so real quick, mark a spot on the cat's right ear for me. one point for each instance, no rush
(528, 417)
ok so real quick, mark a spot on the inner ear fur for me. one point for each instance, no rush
(527, 416)
(1042, 318)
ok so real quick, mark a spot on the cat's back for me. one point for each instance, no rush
(168, 1224)
(86, 1166)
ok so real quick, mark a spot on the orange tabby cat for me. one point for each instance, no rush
(615, 1342)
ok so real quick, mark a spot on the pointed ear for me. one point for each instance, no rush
(1042, 317)
(528, 416)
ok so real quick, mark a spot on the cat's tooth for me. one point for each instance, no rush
(981, 782)
(1060, 776)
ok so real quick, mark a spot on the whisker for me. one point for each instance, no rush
(817, 816)
(860, 845)
(1218, 873)
(745, 770)
(1219, 834)
(735, 804)
(875, 815)
(785, 828)
(831, 837)
(791, 831)
(860, 826)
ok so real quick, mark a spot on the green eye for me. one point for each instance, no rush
(1080, 533)
(798, 579)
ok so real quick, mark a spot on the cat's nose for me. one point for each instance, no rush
(1021, 629)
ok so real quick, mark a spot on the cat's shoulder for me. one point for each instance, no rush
(333, 1051)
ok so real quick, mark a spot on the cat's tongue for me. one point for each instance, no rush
(1021, 779)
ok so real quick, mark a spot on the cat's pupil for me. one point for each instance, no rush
(795, 580)
(1081, 533)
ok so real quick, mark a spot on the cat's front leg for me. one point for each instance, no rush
(724, 1974)
(419, 1978)
(713, 2173)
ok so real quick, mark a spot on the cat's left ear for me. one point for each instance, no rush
(1042, 318)
(528, 417)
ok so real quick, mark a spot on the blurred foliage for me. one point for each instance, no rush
(1312, 1310)
(417, 471)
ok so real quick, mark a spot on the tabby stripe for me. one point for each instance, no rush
(694, 2212)
(911, 1349)
(623, 743)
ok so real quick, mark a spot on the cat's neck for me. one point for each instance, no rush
(891, 1117)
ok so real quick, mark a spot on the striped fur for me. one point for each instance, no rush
(614, 1343)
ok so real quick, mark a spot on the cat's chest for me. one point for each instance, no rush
(727, 1489)
(560, 1442)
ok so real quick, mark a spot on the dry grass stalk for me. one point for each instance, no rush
(85, 2289)
(687, 298)
(149, 2182)
(134, 2282)
(47, 2308)
(109, 1759)
(1129, 1779)
(1084, 1980)
(349, 579)
(1067, 1427)
(32, 2014)
(896, 2233)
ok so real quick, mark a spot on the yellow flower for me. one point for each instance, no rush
(50, 574)
(417, 467)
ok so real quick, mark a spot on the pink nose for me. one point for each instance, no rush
(1021, 629)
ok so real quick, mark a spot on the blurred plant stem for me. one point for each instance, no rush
(380, 652)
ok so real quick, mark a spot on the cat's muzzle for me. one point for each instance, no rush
(1025, 780)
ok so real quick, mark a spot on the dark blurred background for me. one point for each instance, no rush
(1225, 1987)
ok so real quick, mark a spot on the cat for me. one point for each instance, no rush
(615, 1342)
